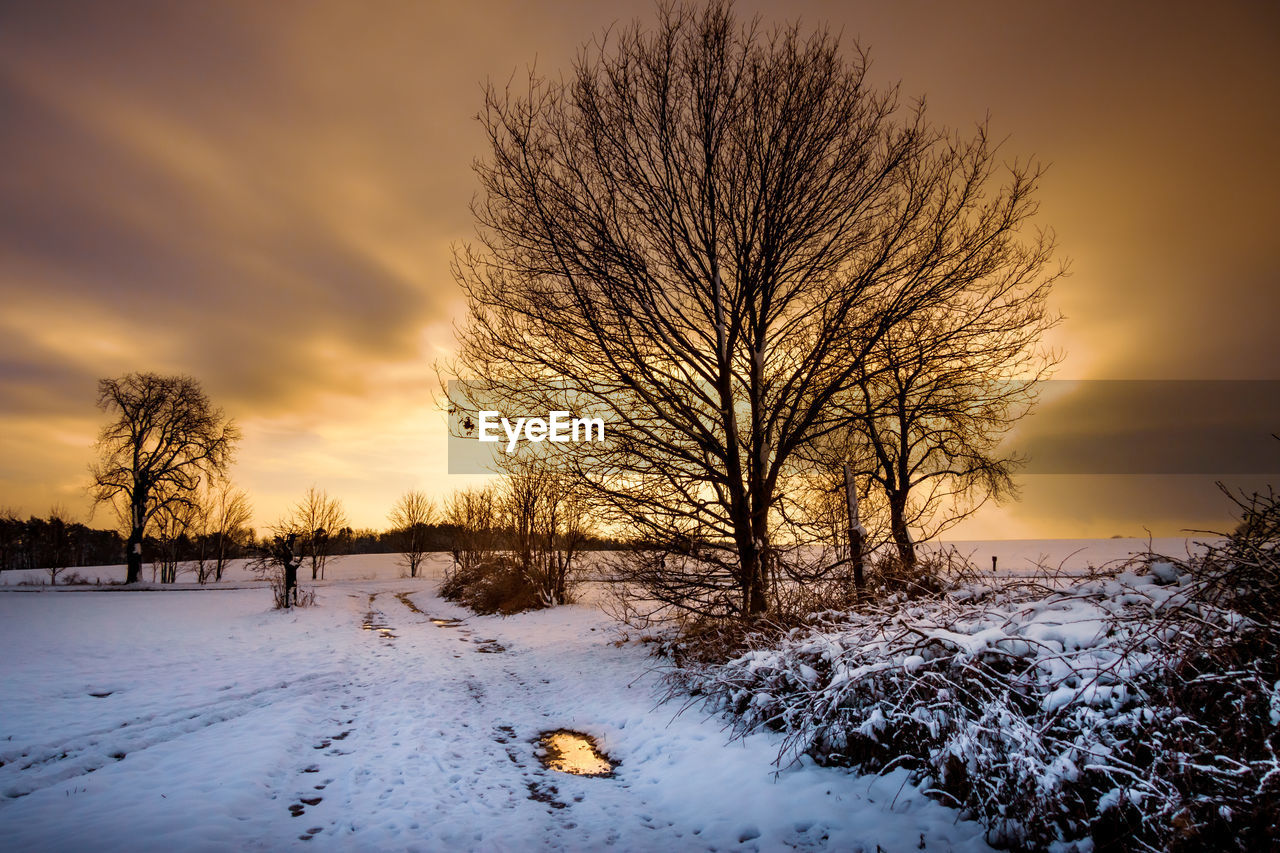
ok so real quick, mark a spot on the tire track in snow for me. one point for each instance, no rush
(30, 769)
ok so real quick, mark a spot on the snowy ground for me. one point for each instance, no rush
(201, 720)
(1014, 557)
(1029, 557)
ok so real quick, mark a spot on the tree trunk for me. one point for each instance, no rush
(898, 529)
(855, 532)
(754, 601)
(220, 561)
(133, 555)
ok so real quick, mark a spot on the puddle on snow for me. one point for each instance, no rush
(371, 624)
(573, 752)
(445, 623)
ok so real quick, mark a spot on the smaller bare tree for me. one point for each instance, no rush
(13, 544)
(316, 518)
(277, 560)
(474, 517)
(229, 516)
(548, 521)
(172, 528)
(200, 550)
(411, 517)
(60, 543)
(565, 527)
(940, 390)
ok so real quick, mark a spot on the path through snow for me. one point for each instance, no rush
(202, 721)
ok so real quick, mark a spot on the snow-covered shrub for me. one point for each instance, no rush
(495, 585)
(1108, 714)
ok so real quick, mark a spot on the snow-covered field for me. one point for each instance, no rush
(1014, 556)
(202, 720)
(195, 718)
(359, 567)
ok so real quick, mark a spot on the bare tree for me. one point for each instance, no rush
(219, 527)
(13, 544)
(228, 531)
(176, 529)
(165, 437)
(316, 519)
(547, 519)
(563, 528)
(60, 545)
(474, 517)
(277, 560)
(411, 517)
(939, 392)
(701, 236)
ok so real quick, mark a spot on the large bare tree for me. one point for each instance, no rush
(701, 234)
(165, 437)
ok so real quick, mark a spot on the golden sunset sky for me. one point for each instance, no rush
(264, 195)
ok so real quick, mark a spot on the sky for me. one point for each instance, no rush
(265, 196)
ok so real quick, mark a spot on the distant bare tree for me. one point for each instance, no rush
(175, 527)
(219, 526)
(316, 519)
(702, 234)
(474, 516)
(13, 544)
(547, 521)
(564, 524)
(410, 518)
(60, 546)
(229, 519)
(277, 560)
(165, 437)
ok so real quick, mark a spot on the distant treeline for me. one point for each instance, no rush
(41, 543)
(54, 542)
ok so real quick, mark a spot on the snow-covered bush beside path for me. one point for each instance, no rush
(1047, 714)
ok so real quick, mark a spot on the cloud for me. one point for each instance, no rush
(264, 195)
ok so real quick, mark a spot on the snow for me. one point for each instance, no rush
(216, 715)
(1015, 557)
(1083, 652)
(1021, 557)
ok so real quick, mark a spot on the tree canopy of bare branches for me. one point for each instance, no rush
(938, 392)
(164, 439)
(702, 234)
